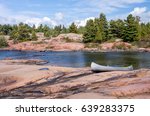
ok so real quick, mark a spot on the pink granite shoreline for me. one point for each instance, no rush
(24, 81)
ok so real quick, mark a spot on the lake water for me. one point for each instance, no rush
(83, 59)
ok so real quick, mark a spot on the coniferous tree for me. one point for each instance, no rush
(40, 28)
(3, 42)
(103, 26)
(98, 31)
(81, 29)
(148, 30)
(89, 35)
(138, 27)
(56, 31)
(5, 29)
(98, 36)
(131, 32)
(145, 31)
(73, 28)
(33, 36)
(21, 33)
(64, 29)
(116, 28)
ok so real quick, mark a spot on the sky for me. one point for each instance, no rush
(55, 12)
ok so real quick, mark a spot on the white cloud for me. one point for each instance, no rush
(59, 16)
(7, 16)
(38, 21)
(83, 22)
(78, 11)
(28, 20)
(138, 11)
(142, 12)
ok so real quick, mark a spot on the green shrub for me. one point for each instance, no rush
(3, 42)
(33, 36)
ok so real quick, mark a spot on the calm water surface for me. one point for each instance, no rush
(83, 59)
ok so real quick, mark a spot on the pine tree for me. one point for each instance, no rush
(103, 26)
(98, 32)
(73, 28)
(56, 31)
(64, 29)
(3, 42)
(40, 28)
(81, 29)
(33, 36)
(138, 27)
(90, 32)
(98, 37)
(24, 32)
(116, 28)
(20, 33)
(5, 29)
(148, 30)
(143, 31)
(131, 32)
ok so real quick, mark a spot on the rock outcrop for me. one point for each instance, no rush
(71, 37)
(119, 45)
(29, 81)
(70, 42)
(63, 42)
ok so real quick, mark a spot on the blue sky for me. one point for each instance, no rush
(54, 12)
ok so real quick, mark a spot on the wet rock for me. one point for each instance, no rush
(24, 61)
(8, 58)
(144, 49)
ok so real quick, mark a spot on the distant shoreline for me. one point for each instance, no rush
(113, 50)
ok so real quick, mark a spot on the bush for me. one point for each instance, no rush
(3, 42)
(33, 36)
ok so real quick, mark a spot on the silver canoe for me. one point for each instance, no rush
(96, 67)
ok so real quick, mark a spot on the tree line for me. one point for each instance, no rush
(96, 31)
(23, 32)
(130, 29)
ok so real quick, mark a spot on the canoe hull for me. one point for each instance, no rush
(95, 67)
